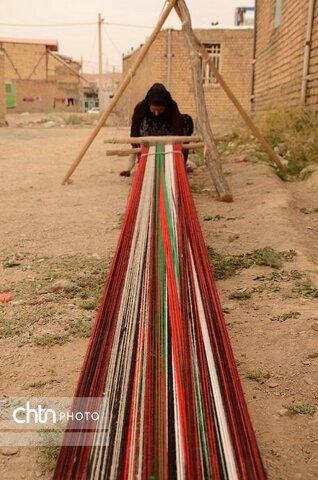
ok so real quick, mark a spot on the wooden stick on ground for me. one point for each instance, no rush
(213, 161)
(168, 7)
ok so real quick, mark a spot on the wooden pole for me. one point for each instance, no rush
(268, 149)
(128, 151)
(154, 140)
(100, 65)
(56, 57)
(168, 7)
(213, 161)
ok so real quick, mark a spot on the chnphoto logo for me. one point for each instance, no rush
(77, 421)
(45, 416)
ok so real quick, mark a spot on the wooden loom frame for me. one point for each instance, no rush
(213, 162)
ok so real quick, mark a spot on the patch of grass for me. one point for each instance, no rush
(74, 119)
(226, 266)
(240, 295)
(293, 133)
(231, 238)
(259, 376)
(90, 304)
(281, 275)
(50, 340)
(214, 218)
(7, 331)
(285, 316)
(42, 383)
(301, 408)
(81, 328)
(49, 441)
(306, 289)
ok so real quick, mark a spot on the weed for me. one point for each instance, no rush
(294, 134)
(49, 439)
(50, 340)
(285, 316)
(74, 119)
(214, 218)
(240, 295)
(301, 408)
(305, 289)
(226, 266)
(81, 328)
(280, 275)
(259, 376)
(231, 238)
(42, 383)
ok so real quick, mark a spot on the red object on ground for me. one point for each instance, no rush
(5, 297)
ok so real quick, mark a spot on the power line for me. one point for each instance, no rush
(72, 25)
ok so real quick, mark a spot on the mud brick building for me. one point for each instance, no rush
(168, 62)
(38, 78)
(286, 54)
(2, 91)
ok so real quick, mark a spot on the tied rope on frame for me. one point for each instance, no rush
(159, 354)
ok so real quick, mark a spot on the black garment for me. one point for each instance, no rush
(170, 122)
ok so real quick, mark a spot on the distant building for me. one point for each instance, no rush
(110, 83)
(2, 91)
(244, 16)
(38, 78)
(286, 54)
(168, 62)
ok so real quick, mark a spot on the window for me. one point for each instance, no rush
(8, 88)
(278, 13)
(214, 50)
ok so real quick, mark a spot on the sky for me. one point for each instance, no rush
(127, 24)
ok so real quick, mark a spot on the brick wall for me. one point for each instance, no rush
(312, 87)
(2, 90)
(41, 81)
(176, 75)
(279, 54)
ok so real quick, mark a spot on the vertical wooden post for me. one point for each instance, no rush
(169, 6)
(213, 161)
(267, 147)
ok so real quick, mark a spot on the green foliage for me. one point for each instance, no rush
(306, 289)
(226, 266)
(285, 316)
(49, 439)
(259, 376)
(50, 340)
(293, 133)
(240, 295)
(301, 408)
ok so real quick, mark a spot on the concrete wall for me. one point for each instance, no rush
(175, 73)
(279, 53)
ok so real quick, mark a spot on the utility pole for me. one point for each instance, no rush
(100, 64)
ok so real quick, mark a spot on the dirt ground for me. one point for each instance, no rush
(57, 242)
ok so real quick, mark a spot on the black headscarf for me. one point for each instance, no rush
(158, 94)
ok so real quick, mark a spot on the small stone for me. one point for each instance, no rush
(282, 412)
(308, 381)
(7, 452)
(272, 384)
(61, 284)
(49, 124)
(38, 474)
(306, 362)
(315, 326)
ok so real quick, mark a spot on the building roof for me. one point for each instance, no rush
(51, 44)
